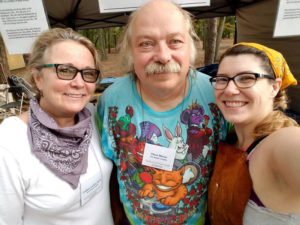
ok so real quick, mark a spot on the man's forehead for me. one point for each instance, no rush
(154, 11)
(159, 6)
(171, 24)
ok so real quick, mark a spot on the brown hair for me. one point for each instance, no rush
(47, 38)
(125, 48)
(276, 119)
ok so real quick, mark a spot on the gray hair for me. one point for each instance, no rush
(125, 48)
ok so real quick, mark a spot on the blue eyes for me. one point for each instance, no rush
(176, 42)
(147, 44)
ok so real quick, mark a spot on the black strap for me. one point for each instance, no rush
(254, 144)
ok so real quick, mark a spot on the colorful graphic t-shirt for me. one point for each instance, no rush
(154, 194)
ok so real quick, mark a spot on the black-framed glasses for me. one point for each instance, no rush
(243, 80)
(67, 72)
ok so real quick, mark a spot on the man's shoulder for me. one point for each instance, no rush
(126, 78)
(201, 80)
(201, 76)
(121, 89)
(121, 85)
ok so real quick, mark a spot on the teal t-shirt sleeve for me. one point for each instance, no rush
(103, 126)
(225, 129)
(100, 113)
(99, 123)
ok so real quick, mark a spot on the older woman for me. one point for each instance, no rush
(256, 179)
(52, 170)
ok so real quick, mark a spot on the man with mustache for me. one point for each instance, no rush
(158, 51)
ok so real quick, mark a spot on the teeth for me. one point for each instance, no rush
(235, 104)
(74, 95)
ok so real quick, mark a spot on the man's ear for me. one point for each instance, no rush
(276, 86)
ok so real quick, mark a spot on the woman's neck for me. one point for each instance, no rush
(65, 122)
(244, 136)
(245, 132)
(62, 121)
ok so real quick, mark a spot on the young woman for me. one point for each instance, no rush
(256, 178)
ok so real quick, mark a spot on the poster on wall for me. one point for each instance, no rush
(109, 6)
(21, 21)
(288, 19)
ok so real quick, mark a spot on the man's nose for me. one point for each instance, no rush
(163, 53)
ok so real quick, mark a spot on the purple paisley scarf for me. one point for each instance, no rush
(63, 150)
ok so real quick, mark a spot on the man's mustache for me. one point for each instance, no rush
(170, 67)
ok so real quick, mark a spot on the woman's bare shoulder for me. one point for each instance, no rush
(285, 136)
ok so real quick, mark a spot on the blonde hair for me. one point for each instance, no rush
(47, 38)
(276, 119)
(125, 48)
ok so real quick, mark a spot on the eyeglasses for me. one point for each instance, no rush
(67, 72)
(244, 80)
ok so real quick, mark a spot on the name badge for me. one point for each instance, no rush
(158, 157)
(90, 188)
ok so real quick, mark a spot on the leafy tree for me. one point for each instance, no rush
(229, 27)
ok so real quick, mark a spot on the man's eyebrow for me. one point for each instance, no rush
(148, 36)
(144, 36)
(176, 34)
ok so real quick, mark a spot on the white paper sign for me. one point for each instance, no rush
(108, 6)
(21, 21)
(158, 157)
(288, 18)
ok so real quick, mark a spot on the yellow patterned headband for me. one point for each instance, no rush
(279, 65)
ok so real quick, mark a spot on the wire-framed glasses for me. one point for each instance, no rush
(243, 80)
(67, 72)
